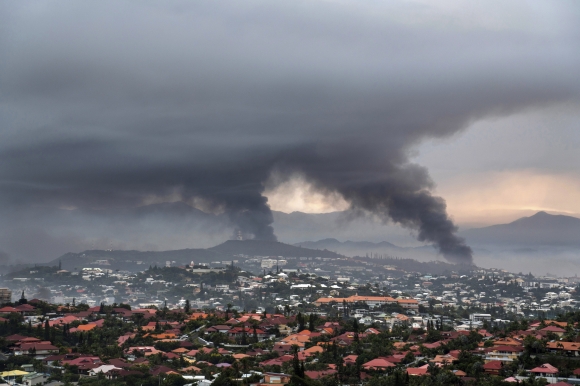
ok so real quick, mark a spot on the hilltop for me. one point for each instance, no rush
(120, 259)
(124, 259)
(269, 248)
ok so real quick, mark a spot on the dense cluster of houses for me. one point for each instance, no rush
(271, 342)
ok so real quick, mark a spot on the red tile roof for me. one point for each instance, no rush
(546, 368)
(378, 364)
(493, 365)
(418, 371)
(553, 329)
(319, 374)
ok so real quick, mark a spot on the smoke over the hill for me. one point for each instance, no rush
(202, 102)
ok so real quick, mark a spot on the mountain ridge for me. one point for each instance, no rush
(332, 242)
(541, 228)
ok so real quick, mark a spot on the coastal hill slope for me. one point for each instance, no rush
(221, 252)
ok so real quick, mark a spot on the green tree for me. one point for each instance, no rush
(173, 380)
(311, 322)
(46, 330)
(301, 322)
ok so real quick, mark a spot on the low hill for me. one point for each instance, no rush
(268, 248)
(119, 259)
(122, 259)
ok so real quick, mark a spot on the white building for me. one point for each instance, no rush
(271, 263)
(479, 317)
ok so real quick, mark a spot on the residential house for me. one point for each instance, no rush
(503, 353)
(222, 328)
(408, 304)
(320, 374)
(39, 350)
(493, 367)
(276, 378)
(371, 301)
(545, 371)
(554, 330)
(570, 348)
(444, 359)
(378, 364)
(32, 379)
(417, 371)
(105, 369)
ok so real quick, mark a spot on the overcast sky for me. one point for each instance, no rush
(235, 107)
(500, 170)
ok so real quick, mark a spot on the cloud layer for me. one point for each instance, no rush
(108, 104)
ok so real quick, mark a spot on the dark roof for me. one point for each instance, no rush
(37, 346)
(52, 358)
(119, 362)
(15, 338)
(493, 365)
(25, 307)
(160, 370)
(319, 374)
(124, 373)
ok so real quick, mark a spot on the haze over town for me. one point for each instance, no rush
(407, 122)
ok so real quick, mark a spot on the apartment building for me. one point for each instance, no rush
(5, 295)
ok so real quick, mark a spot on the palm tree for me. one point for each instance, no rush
(236, 368)
(433, 369)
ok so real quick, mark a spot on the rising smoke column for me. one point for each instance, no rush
(251, 215)
(419, 211)
(383, 184)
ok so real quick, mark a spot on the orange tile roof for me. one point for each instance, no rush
(296, 338)
(314, 349)
(197, 315)
(506, 342)
(86, 327)
(163, 336)
(566, 346)
(356, 298)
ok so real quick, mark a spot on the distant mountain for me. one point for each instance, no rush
(296, 227)
(366, 248)
(537, 230)
(334, 243)
(353, 248)
(172, 228)
(52, 232)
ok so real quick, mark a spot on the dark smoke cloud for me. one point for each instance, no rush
(108, 105)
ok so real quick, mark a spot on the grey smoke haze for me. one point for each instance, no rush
(111, 105)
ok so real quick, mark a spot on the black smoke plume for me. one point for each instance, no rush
(113, 105)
